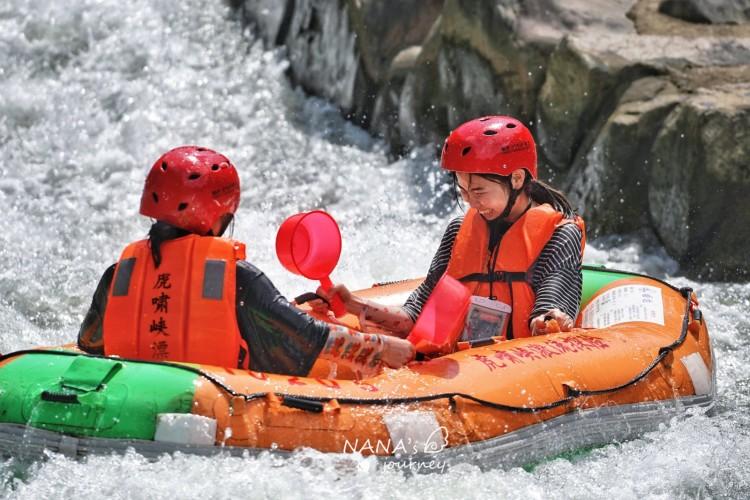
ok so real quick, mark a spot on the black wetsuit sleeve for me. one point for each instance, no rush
(90, 335)
(281, 338)
(557, 276)
(414, 304)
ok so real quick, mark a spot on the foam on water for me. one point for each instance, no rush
(92, 93)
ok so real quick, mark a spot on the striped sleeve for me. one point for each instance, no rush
(557, 277)
(415, 302)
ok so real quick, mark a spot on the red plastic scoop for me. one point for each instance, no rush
(309, 244)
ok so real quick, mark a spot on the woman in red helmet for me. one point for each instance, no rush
(186, 294)
(520, 242)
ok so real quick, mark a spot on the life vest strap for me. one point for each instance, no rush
(494, 277)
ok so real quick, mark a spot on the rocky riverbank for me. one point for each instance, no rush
(641, 108)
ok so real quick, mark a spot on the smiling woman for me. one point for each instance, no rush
(520, 243)
(490, 194)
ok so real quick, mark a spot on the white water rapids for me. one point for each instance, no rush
(93, 91)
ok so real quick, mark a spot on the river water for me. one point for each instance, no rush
(92, 91)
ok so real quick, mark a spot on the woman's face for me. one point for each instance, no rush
(487, 197)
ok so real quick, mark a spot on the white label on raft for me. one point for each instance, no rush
(185, 428)
(415, 432)
(699, 373)
(623, 304)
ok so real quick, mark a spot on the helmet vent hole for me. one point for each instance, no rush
(466, 151)
(511, 125)
(200, 149)
(164, 166)
(484, 119)
(214, 167)
(155, 197)
(182, 206)
(193, 176)
(490, 132)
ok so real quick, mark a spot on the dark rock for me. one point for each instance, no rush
(699, 181)
(639, 113)
(491, 58)
(470, 65)
(582, 88)
(609, 185)
(342, 49)
(708, 11)
(588, 73)
(384, 28)
(444, 91)
(551, 20)
(649, 19)
(385, 115)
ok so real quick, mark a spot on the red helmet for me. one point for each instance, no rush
(191, 188)
(490, 145)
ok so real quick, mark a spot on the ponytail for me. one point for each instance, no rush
(542, 192)
(158, 234)
(162, 231)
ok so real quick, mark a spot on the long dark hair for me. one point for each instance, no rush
(536, 190)
(159, 233)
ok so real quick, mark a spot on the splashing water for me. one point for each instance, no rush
(92, 93)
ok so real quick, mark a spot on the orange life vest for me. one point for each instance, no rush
(519, 249)
(184, 310)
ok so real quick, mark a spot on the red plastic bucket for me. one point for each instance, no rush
(442, 318)
(309, 244)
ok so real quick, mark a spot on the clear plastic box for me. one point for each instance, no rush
(486, 319)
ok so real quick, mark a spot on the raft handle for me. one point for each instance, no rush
(482, 342)
(307, 297)
(60, 397)
(571, 391)
(697, 315)
(303, 404)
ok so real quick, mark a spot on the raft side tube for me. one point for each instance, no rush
(567, 433)
(486, 411)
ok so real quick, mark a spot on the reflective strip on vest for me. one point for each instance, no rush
(122, 278)
(184, 310)
(213, 279)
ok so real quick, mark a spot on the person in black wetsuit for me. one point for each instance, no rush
(520, 242)
(176, 296)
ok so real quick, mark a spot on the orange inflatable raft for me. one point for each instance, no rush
(639, 355)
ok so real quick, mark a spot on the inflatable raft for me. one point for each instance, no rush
(640, 354)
